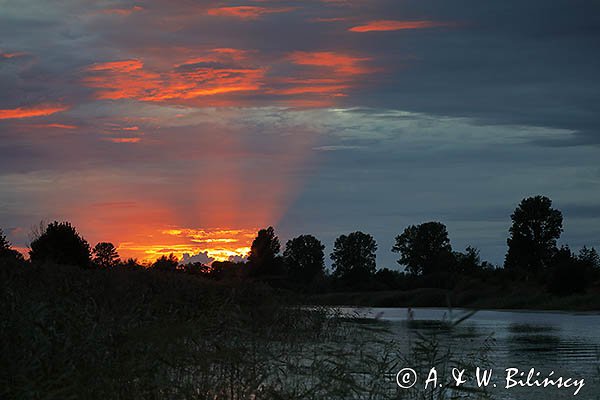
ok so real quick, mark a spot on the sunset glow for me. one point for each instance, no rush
(218, 244)
(186, 126)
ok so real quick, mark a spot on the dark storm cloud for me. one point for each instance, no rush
(509, 62)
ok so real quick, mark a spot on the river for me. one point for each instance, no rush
(566, 343)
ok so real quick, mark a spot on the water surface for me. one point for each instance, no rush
(566, 343)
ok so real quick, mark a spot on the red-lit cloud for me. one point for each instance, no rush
(53, 126)
(392, 25)
(208, 75)
(340, 63)
(246, 12)
(31, 111)
(12, 55)
(125, 140)
(223, 76)
(121, 11)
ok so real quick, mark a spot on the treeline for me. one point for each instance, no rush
(424, 250)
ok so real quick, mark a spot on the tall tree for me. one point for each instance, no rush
(424, 249)
(354, 258)
(105, 255)
(6, 251)
(60, 243)
(536, 226)
(265, 248)
(304, 258)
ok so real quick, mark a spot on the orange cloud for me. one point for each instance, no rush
(227, 77)
(124, 140)
(121, 11)
(53, 126)
(246, 12)
(208, 75)
(340, 63)
(12, 55)
(392, 25)
(118, 66)
(34, 111)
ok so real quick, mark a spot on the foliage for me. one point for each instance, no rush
(568, 274)
(105, 255)
(469, 262)
(304, 259)
(424, 249)
(60, 243)
(196, 268)
(354, 257)
(589, 257)
(532, 243)
(166, 263)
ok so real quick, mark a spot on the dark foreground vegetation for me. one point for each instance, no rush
(72, 333)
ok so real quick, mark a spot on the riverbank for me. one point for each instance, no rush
(492, 299)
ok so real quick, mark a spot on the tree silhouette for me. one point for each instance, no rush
(304, 258)
(467, 262)
(105, 255)
(568, 274)
(132, 264)
(5, 249)
(4, 243)
(532, 242)
(263, 258)
(60, 243)
(589, 256)
(196, 268)
(354, 258)
(164, 263)
(424, 249)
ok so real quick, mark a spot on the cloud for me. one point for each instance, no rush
(227, 76)
(40, 110)
(201, 257)
(247, 12)
(237, 258)
(53, 126)
(125, 140)
(338, 62)
(197, 77)
(121, 11)
(12, 55)
(393, 25)
(330, 19)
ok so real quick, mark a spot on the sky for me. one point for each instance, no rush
(185, 126)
